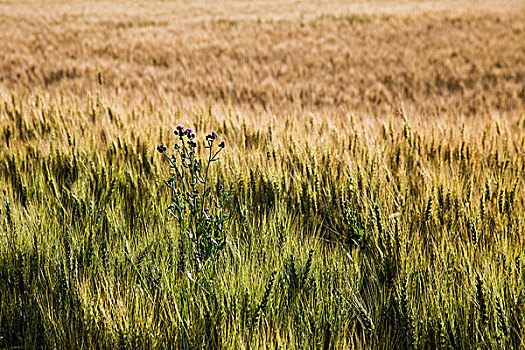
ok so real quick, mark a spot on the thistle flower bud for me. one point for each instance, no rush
(161, 148)
(192, 144)
(222, 144)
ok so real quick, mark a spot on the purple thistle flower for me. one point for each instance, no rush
(213, 134)
(189, 131)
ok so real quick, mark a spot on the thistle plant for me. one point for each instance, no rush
(354, 233)
(198, 209)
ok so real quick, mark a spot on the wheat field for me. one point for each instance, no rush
(370, 193)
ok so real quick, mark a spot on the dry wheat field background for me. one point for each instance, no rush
(369, 192)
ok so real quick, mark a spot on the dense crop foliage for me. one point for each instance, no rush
(331, 219)
(390, 235)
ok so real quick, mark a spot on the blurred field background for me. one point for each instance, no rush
(463, 57)
(414, 111)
